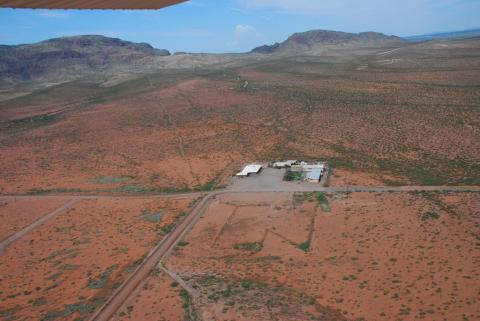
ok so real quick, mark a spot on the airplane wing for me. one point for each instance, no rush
(88, 4)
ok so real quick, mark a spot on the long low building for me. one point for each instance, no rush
(250, 169)
(285, 164)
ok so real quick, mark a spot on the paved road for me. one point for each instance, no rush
(156, 255)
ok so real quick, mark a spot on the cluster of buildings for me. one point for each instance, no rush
(310, 172)
(300, 169)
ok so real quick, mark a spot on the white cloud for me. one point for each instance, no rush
(243, 34)
(242, 31)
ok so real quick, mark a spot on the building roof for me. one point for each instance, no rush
(285, 163)
(313, 175)
(308, 167)
(88, 4)
(250, 169)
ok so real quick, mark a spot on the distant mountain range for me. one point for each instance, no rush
(315, 39)
(109, 60)
(471, 33)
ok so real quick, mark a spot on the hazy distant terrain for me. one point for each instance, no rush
(96, 59)
(463, 34)
(110, 61)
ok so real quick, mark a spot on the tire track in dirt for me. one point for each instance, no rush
(181, 150)
(227, 222)
(5, 243)
(158, 254)
(194, 293)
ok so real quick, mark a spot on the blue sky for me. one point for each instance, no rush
(240, 25)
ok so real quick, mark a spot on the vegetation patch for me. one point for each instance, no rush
(300, 198)
(9, 314)
(250, 247)
(110, 179)
(39, 301)
(63, 252)
(291, 176)
(84, 308)
(305, 246)
(191, 313)
(168, 228)
(102, 280)
(69, 267)
(430, 216)
(322, 201)
(135, 264)
(39, 191)
(142, 189)
(249, 296)
(152, 217)
(208, 186)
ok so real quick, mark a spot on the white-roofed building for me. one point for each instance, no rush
(313, 175)
(250, 169)
(311, 172)
(287, 163)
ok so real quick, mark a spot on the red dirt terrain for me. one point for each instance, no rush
(406, 117)
(69, 266)
(158, 299)
(411, 121)
(16, 215)
(360, 256)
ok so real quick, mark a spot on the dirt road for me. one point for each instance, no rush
(155, 256)
(5, 243)
(163, 249)
(294, 187)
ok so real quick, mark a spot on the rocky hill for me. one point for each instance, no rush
(70, 56)
(315, 39)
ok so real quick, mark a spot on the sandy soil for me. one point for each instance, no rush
(391, 256)
(158, 300)
(67, 268)
(411, 121)
(15, 215)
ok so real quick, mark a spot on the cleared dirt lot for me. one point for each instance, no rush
(285, 256)
(269, 179)
(67, 268)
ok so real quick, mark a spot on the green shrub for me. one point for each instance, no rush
(430, 216)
